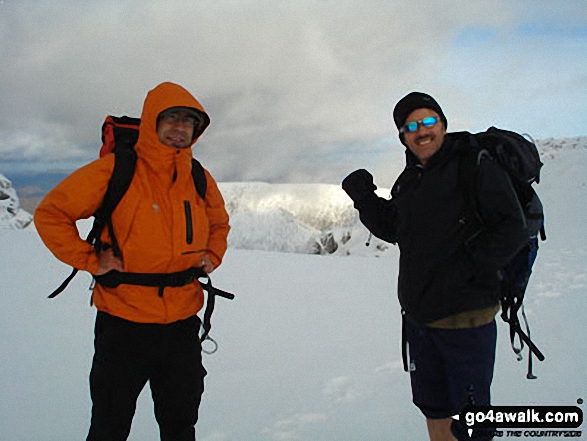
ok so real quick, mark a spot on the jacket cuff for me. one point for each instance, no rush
(92, 264)
(216, 260)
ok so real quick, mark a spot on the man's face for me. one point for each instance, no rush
(424, 141)
(175, 128)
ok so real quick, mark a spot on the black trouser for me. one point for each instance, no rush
(129, 354)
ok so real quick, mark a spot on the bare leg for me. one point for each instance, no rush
(439, 430)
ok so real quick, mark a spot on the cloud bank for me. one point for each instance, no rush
(296, 92)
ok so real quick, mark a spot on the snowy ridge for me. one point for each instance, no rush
(11, 215)
(319, 218)
(298, 218)
(549, 147)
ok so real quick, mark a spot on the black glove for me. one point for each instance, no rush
(358, 185)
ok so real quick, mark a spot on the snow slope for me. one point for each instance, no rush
(310, 347)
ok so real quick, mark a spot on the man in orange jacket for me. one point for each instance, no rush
(161, 225)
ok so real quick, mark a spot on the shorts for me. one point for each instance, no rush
(450, 368)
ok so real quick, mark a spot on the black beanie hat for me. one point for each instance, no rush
(413, 101)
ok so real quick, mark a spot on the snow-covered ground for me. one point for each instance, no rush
(310, 347)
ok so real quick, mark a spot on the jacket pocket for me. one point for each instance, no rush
(189, 229)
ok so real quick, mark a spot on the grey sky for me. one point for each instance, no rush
(297, 91)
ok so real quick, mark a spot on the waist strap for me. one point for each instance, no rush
(113, 279)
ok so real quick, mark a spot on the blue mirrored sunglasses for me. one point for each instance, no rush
(412, 126)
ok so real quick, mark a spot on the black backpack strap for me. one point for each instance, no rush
(199, 177)
(59, 290)
(512, 298)
(113, 279)
(470, 156)
(124, 169)
(122, 174)
(212, 293)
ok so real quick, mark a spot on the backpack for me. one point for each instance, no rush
(119, 135)
(519, 157)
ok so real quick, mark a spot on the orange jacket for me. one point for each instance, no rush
(150, 222)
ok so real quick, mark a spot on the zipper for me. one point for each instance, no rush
(189, 230)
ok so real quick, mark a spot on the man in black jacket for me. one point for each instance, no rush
(448, 284)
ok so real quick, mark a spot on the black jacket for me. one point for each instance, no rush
(449, 262)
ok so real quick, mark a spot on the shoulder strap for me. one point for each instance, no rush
(199, 177)
(124, 168)
(468, 171)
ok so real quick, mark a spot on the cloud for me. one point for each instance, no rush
(390, 368)
(294, 427)
(296, 91)
(341, 390)
(217, 436)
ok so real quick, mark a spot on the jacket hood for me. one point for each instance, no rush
(163, 97)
